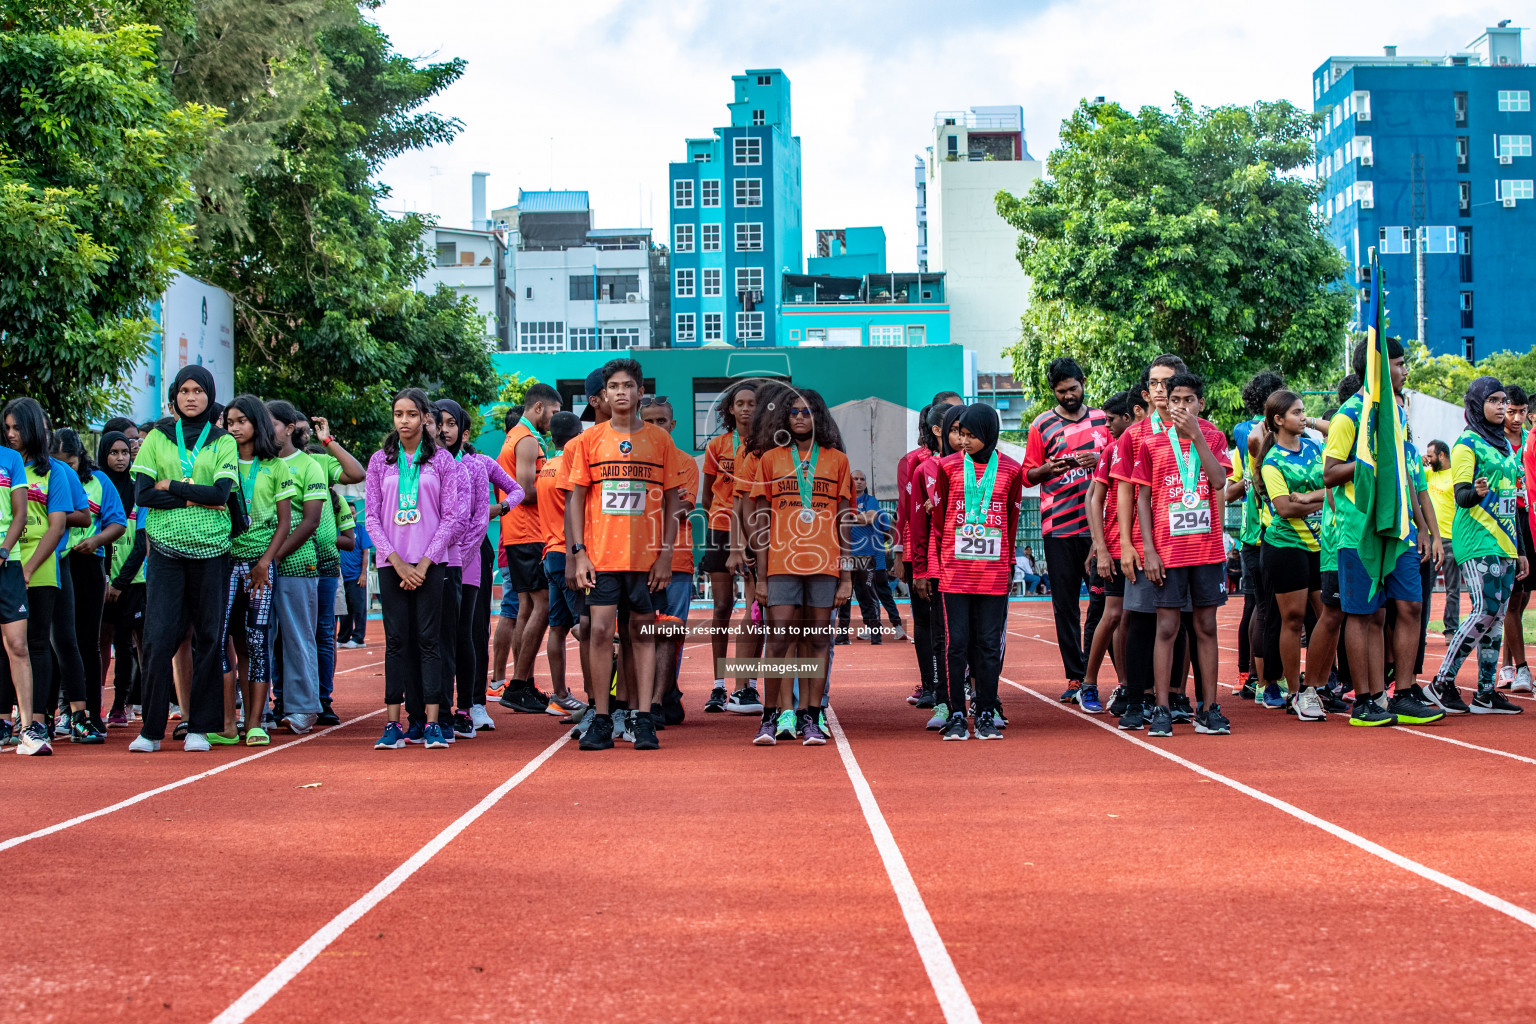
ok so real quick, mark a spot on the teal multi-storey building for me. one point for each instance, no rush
(736, 224)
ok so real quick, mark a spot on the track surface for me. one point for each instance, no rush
(1288, 872)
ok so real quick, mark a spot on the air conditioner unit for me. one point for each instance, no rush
(1367, 204)
(1365, 160)
(631, 296)
(1364, 115)
(1509, 201)
(1505, 158)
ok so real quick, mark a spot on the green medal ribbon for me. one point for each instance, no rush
(544, 442)
(406, 512)
(978, 493)
(187, 460)
(805, 478)
(1189, 468)
(248, 484)
(735, 443)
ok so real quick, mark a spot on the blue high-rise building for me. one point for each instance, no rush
(736, 219)
(1436, 152)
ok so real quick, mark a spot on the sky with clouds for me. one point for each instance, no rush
(600, 94)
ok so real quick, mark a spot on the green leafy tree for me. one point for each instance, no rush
(1447, 377)
(1181, 231)
(327, 315)
(94, 159)
(513, 387)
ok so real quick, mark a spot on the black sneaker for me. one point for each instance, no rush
(955, 728)
(926, 699)
(327, 716)
(657, 718)
(1211, 722)
(1117, 702)
(986, 727)
(1161, 723)
(1447, 698)
(1179, 708)
(1069, 695)
(525, 701)
(1332, 702)
(716, 703)
(745, 701)
(462, 725)
(1367, 712)
(599, 735)
(1494, 703)
(643, 728)
(1133, 720)
(1248, 692)
(1412, 708)
(81, 730)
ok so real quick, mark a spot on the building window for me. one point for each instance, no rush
(582, 288)
(1464, 198)
(1514, 145)
(709, 192)
(684, 329)
(884, 336)
(701, 158)
(582, 339)
(1459, 105)
(794, 334)
(749, 279)
(749, 237)
(712, 328)
(684, 288)
(764, 79)
(1463, 147)
(1464, 253)
(1360, 103)
(682, 238)
(1395, 240)
(917, 334)
(709, 237)
(749, 191)
(748, 150)
(1466, 311)
(1514, 188)
(749, 326)
(1365, 191)
(447, 254)
(529, 294)
(621, 337)
(540, 336)
(1470, 348)
(758, 118)
(1514, 100)
(711, 282)
(682, 195)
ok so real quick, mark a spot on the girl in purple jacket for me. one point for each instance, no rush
(416, 506)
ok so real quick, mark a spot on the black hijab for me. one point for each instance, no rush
(950, 415)
(452, 408)
(1477, 393)
(981, 420)
(192, 426)
(122, 481)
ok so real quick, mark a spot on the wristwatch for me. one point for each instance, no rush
(577, 547)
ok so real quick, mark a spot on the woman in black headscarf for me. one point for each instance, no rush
(122, 621)
(1484, 472)
(183, 473)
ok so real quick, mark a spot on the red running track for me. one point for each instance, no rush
(1289, 872)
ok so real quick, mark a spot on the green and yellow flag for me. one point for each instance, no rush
(1381, 470)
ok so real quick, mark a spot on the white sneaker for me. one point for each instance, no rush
(1506, 677)
(140, 745)
(299, 724)
(569, 703)
(1522, 683)
(1309, 707)
(481, 718)
(196, 743)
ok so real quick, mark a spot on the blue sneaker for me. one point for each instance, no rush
(415, 734)
(433, 734)
(1088, 700)
(1274, 697)
(393, 738)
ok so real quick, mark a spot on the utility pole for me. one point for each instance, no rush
(1418, 240)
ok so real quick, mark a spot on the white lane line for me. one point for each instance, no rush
(1455, 885)
(1425, 734)
(358, 668)
(954, 1001)
(121, 804)
(258, 994)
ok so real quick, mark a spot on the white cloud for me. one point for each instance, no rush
(601, 95)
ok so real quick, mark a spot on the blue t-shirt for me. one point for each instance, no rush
(13, 473)
(352, 561)
(111, 508)
(869, 541)
(64, 483)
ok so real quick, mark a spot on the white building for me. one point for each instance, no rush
(976, 153)
(473, 263)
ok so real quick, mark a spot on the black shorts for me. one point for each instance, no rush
(1252, 566)
(1287, 569)
(1523, 533)
(13, 593)
(1114, 586)
(525, 568)
(717, 548)
(1330, 587)
(631, 591)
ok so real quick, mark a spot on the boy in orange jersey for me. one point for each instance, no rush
(566, 606)
(624, 503)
